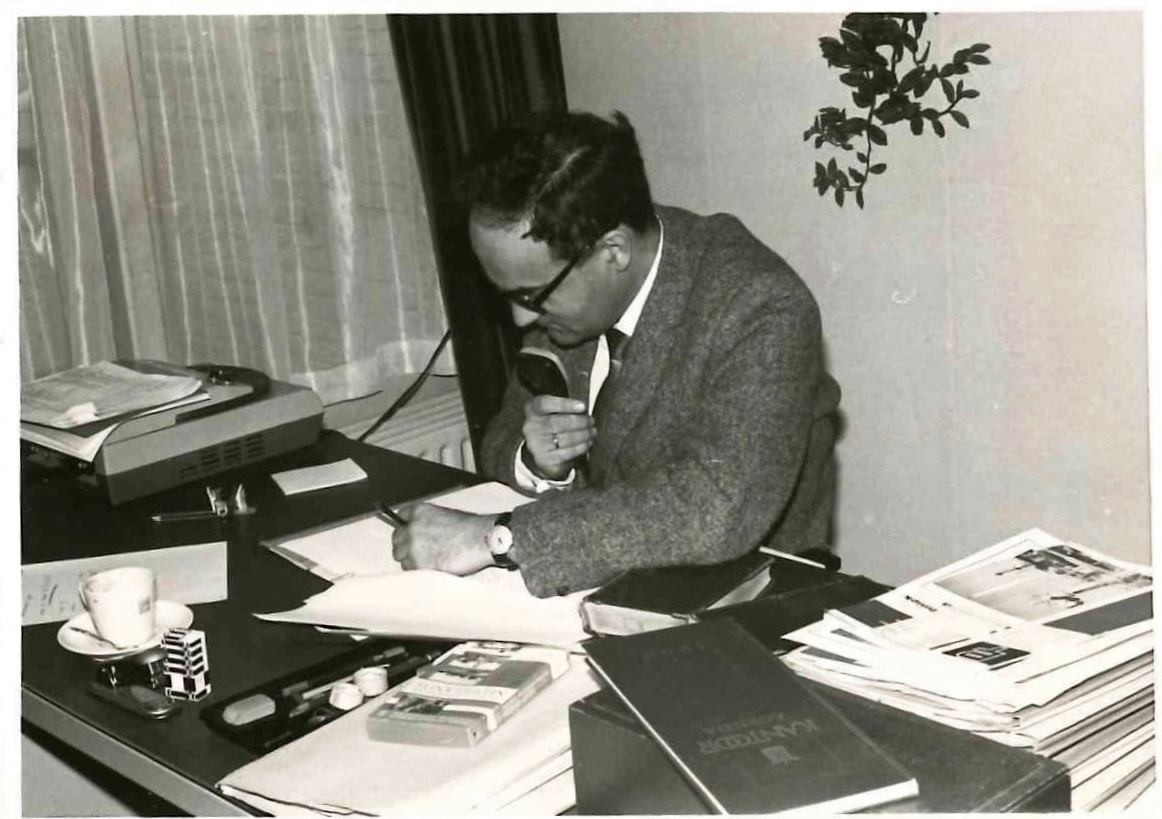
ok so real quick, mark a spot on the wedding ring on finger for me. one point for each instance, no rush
(556, 441)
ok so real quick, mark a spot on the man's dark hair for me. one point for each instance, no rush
(574, 175)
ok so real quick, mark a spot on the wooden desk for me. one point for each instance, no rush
(180, 759)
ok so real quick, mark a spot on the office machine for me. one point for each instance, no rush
(248, 417)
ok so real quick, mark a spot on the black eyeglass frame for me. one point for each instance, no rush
(534, 301)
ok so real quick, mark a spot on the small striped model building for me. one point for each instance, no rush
(187, 669)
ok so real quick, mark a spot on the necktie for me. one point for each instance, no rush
(617, 341)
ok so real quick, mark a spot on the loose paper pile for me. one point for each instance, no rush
(75, 411)
(1034, 642)
(372, 593)
(524, 768)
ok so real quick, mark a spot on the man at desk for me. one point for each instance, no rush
(714, 430)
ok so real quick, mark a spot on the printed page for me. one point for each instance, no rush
(90, 393)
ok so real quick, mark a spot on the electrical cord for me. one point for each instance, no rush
(410, 392)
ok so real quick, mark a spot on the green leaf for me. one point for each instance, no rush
(876, 134)
(851, 78)
(822, 188)
(879, 167)
(960, 118)
(839, 196)
(818, 142)
(930, 113)
(979, 59)
(861, 156)
(979, 47)
(842, 177)
(948, 90)
(859, 198)
(938, 127)
(948, 70)
(832, 167)
(959, 86)
(970, 94)
(819, 171)
(855, 174)
(917, 124)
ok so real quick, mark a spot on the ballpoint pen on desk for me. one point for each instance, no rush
(219, 507)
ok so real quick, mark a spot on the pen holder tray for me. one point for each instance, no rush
(293, 714)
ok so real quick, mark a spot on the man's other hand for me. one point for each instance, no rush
(557, 431)
(443, 539)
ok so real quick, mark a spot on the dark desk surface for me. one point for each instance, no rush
(243, 651)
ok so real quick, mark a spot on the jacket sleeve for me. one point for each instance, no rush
(718, 486)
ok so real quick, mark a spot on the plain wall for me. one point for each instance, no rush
(985, 314)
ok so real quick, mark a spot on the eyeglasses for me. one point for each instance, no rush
(533, 300)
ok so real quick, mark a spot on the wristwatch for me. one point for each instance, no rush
(499, 540)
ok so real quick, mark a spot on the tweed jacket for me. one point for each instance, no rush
(719, 433)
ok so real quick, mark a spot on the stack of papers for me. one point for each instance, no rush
(73, 412)
(523, 768)
(372, 593)
(1034, 642)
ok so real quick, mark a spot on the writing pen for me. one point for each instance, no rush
(392, 514)
(170, 517)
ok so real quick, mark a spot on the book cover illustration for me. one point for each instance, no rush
(466, 694)
(741, 727)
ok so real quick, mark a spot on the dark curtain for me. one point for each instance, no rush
(462, 76)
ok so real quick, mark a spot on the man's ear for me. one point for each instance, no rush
(617, 246)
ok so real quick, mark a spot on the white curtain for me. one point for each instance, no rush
(240, 190)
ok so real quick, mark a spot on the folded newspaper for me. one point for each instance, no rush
(1035, 642)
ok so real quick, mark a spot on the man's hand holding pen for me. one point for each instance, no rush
(448, 540)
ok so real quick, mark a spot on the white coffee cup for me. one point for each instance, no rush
(122, 604)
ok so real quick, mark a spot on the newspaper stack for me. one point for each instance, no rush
(1034, 642)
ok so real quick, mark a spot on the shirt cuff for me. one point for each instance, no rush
(528, 480)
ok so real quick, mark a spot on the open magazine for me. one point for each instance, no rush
(1015, 625)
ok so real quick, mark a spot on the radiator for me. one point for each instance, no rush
(434, 429)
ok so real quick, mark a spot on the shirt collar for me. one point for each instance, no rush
(629, 319)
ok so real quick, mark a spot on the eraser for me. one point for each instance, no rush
(250, 709)
(346, 696)
(371, 681)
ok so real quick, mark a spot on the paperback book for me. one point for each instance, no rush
(463, 696)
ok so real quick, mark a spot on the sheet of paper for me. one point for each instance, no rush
(362, 545)
(86, 447)
(185, 574)
(490, 498)
(358, 546)
(492, 604)
(86, 394)
(310, 478)
(383, 778)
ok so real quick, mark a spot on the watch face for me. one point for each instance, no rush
(499, 540)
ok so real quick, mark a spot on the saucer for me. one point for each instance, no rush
(169, 615)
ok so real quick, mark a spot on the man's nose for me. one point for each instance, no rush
(523, 317)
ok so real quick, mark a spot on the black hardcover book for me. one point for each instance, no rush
(741, 727)
(648, 599)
